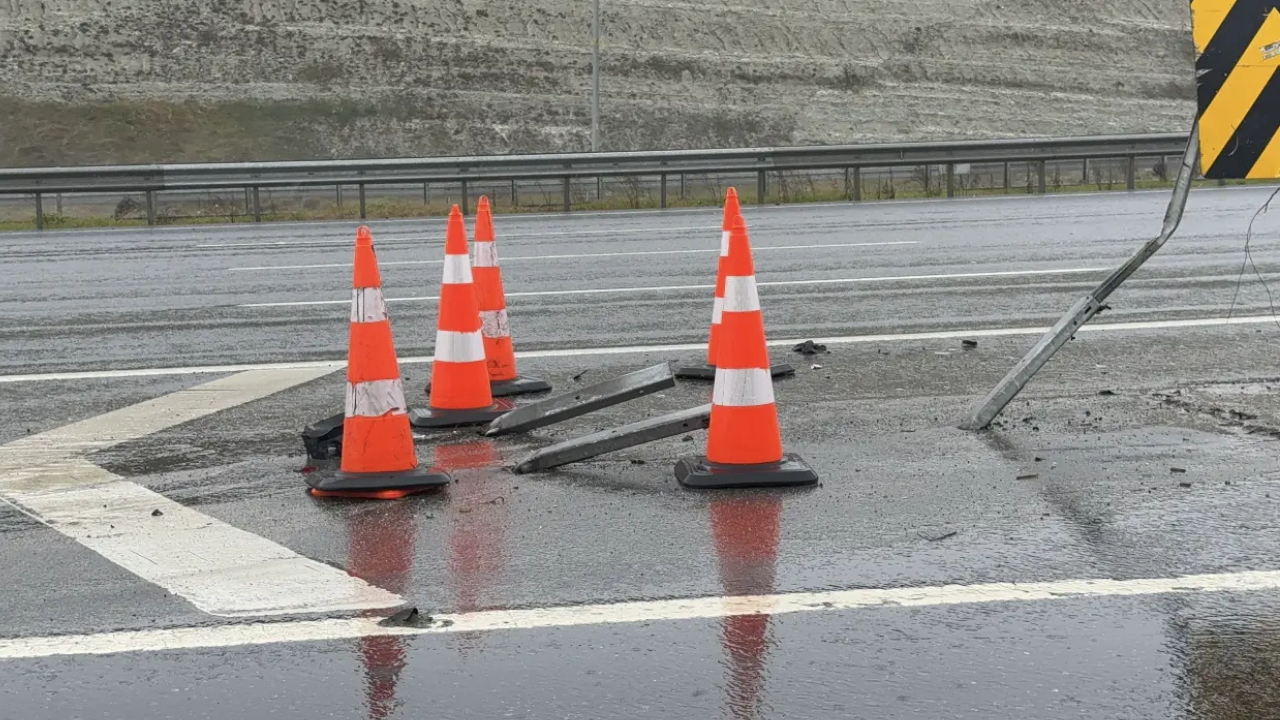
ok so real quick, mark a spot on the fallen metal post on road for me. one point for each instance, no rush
(588, 399)
(606, 441)
(986, 410)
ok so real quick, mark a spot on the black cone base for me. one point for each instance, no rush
(389, 485)
(708, 372)
(433, 418)
(520, 386)
(697, 472)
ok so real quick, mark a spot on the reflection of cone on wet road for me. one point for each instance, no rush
(378, 456)
(746, 539)
(460, 393)
(477, 528)
(380, 552)
(707, 371)
(744, 442)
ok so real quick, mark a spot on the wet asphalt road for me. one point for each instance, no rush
(876, 420)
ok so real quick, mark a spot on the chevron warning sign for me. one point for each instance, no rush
(1238, 87)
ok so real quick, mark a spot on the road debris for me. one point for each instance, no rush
(938, 538)
(809, 347)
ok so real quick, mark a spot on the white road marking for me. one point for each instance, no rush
(670, 288)
(706, 608)
(332, 365)
(579, 256)
(514, 236)
(220, 569)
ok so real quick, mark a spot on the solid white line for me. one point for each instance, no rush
(220, 569)
(580, 256)
(516, 236)
(332, 365)
(705, 608)
(670, 288)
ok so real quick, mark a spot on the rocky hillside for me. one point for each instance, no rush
(86, 81)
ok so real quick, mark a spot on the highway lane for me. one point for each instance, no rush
(118, 299)
(1071, 484)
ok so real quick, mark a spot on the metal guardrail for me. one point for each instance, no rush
(150, 179)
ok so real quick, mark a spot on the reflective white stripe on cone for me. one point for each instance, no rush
(740, 294)
(459, 347)
(375, 398)
(742, 388)
(368, 305)
(494, 323)
(457, 270)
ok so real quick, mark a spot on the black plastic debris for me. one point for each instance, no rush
(969, 344)
(809, 347)
(156, 513)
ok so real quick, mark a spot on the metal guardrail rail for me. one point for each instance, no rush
(150, 179)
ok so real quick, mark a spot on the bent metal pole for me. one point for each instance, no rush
(986, 410)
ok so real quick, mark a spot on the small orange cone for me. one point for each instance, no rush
(378, 456)
(744, 442)
(499, 351)
(460, 393)
(707, 371)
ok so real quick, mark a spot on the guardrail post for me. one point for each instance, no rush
(1084, 174)
(662, 191)
(857, 184)
(1040, 184)
(568, 200)
(515, 195)
(1006, 178)
(363, 213)
(951, 180)
(466, 200)
(682, 186)
(248, 203)
(1131, 173)
(151, 207)
(57, 200)
(257, 205)
(426, 193)
(39, 211)
(762, 186)
(338, 194)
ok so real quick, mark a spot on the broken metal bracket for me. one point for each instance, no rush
(606, 441)
(986, 410)
(588, 399)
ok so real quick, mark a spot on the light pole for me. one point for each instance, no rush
(595, 77)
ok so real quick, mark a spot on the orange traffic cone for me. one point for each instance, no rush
(744, 442)
(378, 456)
(707, 371)
(499, 352)
(459, 387)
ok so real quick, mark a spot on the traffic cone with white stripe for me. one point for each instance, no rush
(460, 393)
(499, 351)
(744, 442)
(378, 456)
(707, 371)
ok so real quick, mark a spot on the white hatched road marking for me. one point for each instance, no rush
(220, 569)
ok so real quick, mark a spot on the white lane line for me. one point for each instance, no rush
(705, 608)
(220, 569)
(332, 365)
(515, 236)
(579, 256)
(672, 288)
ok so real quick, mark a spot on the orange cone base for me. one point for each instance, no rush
(521, 385)
(436, 418)
(384, 486)
(697, 472)
(708, 372)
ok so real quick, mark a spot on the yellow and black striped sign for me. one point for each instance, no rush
(1238, 87)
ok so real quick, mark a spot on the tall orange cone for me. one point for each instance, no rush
(744, 442)
(460, 393)
(707, 371)
(378, 456)
(499, 351)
